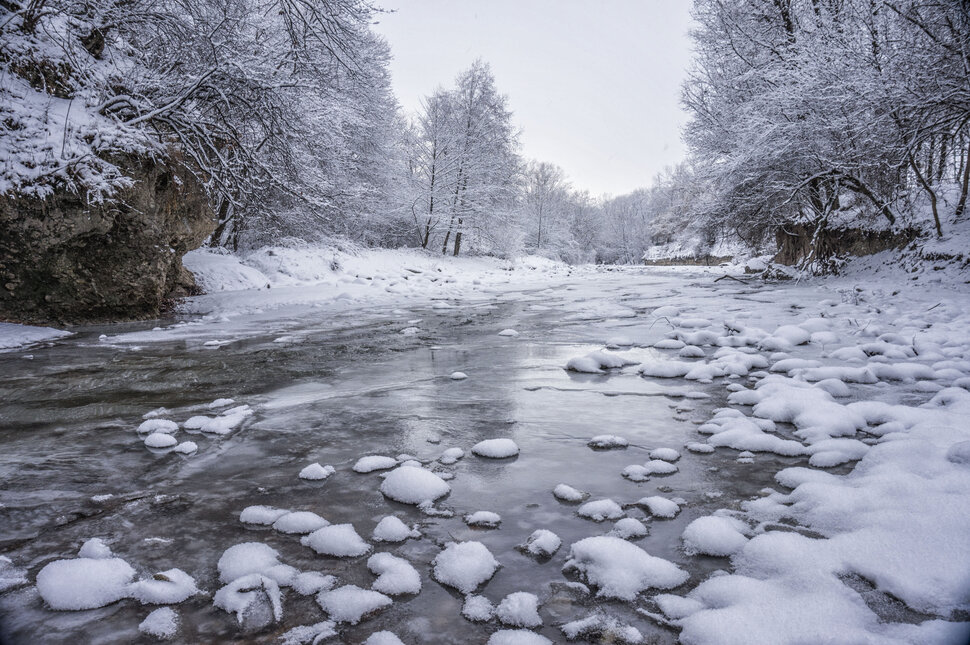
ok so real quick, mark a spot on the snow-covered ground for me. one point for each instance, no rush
(630, 455)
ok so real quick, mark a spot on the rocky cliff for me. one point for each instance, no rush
(65, 260)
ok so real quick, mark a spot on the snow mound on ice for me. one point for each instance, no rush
(160, 440)
(392, 529)
(165, 588)
(519, 609)
(94, 548)
(660, 506)
(413, 485)
(629, 528)
(483, 519)
(311, 582)
(265, 515)
(621, 569)
(246, 558)
(477, 608)
(299, 522)
(543, 543)
(601, 509)
(715, 535)
(451, 456)
(371, 463)
(464, 565)
(84, 583)
(597, 362)
(243, 592)
(607, 441)
(508, 332)
(161, 426)
(602, 628)
(339, 540)
(383, 638)
(517, 637)
(161, 623)
(349, 604)
(317, 472)
(496, 448)
(395, 576)
(665, 454)
(567, 493)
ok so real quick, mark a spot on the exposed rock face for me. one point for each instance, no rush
(64, 260)
(795, 242)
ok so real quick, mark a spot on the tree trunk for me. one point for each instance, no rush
(965, 185)
(929, 191)
(458, 238)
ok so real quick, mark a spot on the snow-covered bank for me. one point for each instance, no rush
(13, 336)
(314, 275)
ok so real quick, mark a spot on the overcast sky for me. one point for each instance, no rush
(594, 85)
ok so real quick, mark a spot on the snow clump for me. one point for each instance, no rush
(299, 522)
(629, 528)
(161, 623)
(160, 440)
(607, 441)
(383, 638)
(519, 609)
(349, 604)
(621, 569)
(371, 463)
(395, 576)
(477, 608)
(715, 535)
(483, 519)
(567, 493)
(496, 448)
(413, 485)
(392, 529)
(601, 509)
(265, 515)
(660, 507)
(517, 637)
(164, 588)
(339, 540)
(464, 565)
(543, 543)
(317, 472)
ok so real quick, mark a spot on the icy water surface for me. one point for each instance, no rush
(332, 387)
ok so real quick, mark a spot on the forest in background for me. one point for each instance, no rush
(822, 114)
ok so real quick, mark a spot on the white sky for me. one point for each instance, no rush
(594, 85)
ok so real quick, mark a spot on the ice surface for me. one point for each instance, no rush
(464, 565)
(496, 448)
(395, 576)
(13, 335)
(413, 485)
(340, 540)
(715, 535)
(600, 509)
(620, 569)
(519, 609)
(350, 604)
(392, 529)
(371, 463)
(317, 472)
(161, 623)
(299, 522)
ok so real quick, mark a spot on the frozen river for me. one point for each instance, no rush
(331, 385)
